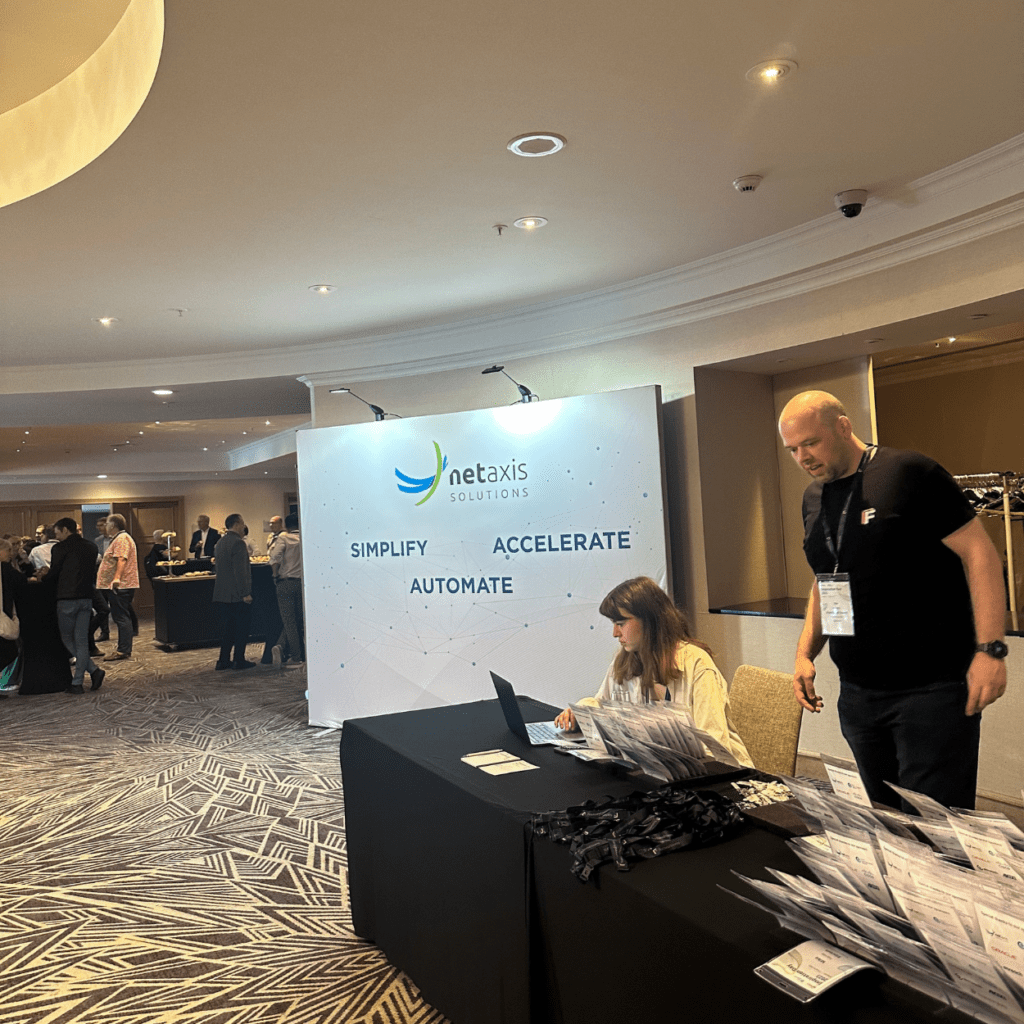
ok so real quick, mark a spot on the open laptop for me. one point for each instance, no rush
(537, 734)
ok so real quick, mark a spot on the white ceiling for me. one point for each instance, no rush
(362, 144)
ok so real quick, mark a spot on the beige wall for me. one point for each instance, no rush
(739, 474)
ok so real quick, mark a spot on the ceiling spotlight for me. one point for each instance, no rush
(526, 395)
(106, 321)
(747, 182)
(770, 71)
(530, 223)
(162, 391)
(101, 476)
(536, 144)
(322, 289)
(951, 340)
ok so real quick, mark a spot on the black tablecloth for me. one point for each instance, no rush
(446, 878)
(184, 612)
(46, 667)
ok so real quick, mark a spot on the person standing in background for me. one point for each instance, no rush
(233, 590)
(118, 578)
(286, 564)
(72, 575)
(204, 540)
(276, 526)
(100, 608)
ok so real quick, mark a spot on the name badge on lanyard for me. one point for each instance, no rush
(835, 602)
(835, 598)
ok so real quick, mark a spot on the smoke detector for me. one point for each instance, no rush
(747, 182)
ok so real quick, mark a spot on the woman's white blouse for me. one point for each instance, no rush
(701, 688)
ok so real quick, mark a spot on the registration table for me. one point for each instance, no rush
(486, 919)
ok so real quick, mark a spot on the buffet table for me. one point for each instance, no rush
(486, 919)
(184, 611)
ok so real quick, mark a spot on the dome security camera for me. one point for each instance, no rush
(851, 202)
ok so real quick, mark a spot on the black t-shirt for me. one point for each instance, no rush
(913, 623)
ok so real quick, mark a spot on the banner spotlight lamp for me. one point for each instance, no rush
(378, 412)
(526, 394)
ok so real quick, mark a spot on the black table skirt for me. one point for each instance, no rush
(45, 661)
(446, 877)
(184, 611)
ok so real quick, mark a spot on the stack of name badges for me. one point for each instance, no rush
(935, 901)
(659, 739)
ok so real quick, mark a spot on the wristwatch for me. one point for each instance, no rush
(994, 648)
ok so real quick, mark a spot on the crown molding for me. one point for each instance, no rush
(976, 198)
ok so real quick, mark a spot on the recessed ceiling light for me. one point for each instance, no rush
(162, 391)
(536, 144)
(268, 423)
(106, 321)
(530, 223)
(322, 289)
(101, 476)
(951, 340)
(770, 71)
(206, 449)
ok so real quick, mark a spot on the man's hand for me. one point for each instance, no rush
(247, 599)
(986, 682)
(803, 685)
(114, 584)
(566, 721)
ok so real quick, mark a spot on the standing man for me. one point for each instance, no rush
(286, 564)
(43, 551)
(204, 540)
(233, 589)
(118, 578)
(101, 611)
(276, 526)
(909, 589)
(72, 574)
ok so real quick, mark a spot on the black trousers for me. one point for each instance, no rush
(234, 632)
(920, 739)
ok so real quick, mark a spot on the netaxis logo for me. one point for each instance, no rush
(412, 485)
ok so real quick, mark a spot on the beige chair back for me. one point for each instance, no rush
(767, 717)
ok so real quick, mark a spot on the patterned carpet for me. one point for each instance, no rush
(174, 851)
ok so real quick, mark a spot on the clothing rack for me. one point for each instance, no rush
(1007, 482)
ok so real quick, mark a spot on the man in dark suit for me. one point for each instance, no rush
(204, 540)
(232, 591)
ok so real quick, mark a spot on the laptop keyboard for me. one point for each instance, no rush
(542, 732)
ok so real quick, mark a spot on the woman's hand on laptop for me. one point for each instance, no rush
(566, 721)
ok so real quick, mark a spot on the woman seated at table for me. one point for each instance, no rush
(659, 660)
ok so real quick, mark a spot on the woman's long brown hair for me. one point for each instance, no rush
(664, 628)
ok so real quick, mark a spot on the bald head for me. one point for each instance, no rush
(818, 434)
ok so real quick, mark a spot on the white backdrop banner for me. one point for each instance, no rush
(439, 548)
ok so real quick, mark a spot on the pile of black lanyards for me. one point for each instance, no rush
(638, 827)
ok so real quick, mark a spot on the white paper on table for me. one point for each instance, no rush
(942, 835)
(845, 779)
(986, 848)
(974, 973)
(930, 916)
(1003, 936)
(809, 969)
(926, 806)
(508, 767)
(482, 757)
(859, 862)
